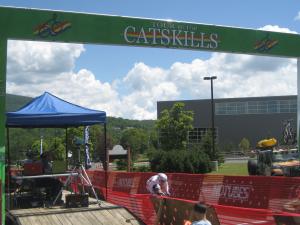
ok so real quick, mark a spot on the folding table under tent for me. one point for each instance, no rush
(49, 111)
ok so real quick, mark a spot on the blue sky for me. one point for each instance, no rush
(134, 79)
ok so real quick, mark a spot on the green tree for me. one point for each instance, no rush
(98, 142)
(206, 144)
(153, 139)
(244, 145)
(206, 147)
(57, 146)
(228, 147)
(179, 161)
(137, 139)
(73, 135)
(36, 147)
(173, 126)
(20, 141)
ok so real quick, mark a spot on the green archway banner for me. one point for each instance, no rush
(58, 26)
(29, 24)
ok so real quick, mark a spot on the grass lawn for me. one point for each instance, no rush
(142, 158)
(239, 169)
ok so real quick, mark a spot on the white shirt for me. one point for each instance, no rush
(154, 181)
(201, 222)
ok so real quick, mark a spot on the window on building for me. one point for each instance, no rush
(195, 135)
(256, 107)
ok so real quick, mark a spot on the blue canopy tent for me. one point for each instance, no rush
(49, 111)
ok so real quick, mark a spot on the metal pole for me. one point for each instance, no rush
(106, 161)
(41, 136)
(8, 167)
(212, 118)
(128, 159)
(298, 103)
(66, 146)
(212, 115)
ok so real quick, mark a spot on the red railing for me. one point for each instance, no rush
(236, 199)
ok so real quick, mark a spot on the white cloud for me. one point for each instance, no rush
(147, 85)
(69, 86)
(37, 67)
(298, 16)
(238, 76)
(276, 28)
(39, 59)
(142, 77)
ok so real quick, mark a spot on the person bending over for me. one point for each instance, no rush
(158, 184)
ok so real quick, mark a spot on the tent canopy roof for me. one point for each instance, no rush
(48, 110)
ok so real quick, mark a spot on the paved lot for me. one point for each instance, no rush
(237, 160)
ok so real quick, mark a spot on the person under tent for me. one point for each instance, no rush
(51, 185)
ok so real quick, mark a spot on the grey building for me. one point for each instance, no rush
(254, 118)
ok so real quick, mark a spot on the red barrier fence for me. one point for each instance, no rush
(237, 199)
(231, 215)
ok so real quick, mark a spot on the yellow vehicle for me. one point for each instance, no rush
(274, 162)
(267, 143)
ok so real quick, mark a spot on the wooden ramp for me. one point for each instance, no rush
(107, 213)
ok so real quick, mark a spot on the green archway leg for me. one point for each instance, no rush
(3, 50)
(298, 102)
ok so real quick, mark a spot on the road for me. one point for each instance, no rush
(237, 160)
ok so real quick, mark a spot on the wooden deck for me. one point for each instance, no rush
(107, 213)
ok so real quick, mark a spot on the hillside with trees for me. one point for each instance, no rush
(14, 102)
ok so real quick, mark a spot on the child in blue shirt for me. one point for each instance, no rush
(201, 210)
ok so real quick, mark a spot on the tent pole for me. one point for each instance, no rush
(8, 166)
(55, 136)
(106, 161)
(66, 146)
(41, 139)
